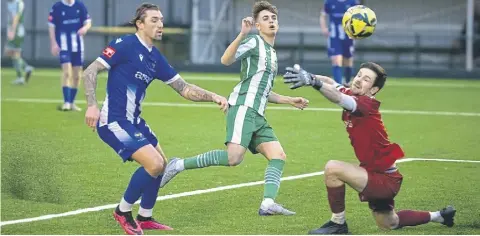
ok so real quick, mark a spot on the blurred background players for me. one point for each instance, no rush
(69, 21)
(340, 47)
(15, 36)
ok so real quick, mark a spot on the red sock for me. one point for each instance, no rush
(336, 198)
(412, 218)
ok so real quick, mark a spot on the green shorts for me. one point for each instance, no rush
(15, 44)
(248, 128)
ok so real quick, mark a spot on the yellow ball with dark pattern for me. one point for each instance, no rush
(359, 22)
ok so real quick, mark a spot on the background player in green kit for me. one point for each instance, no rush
(15, 35)
(246, 124)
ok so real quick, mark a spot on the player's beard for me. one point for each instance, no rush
(157, 36)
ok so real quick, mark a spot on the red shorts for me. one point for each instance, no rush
(381, 189)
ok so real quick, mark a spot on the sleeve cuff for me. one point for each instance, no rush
(104, 63)
(177, 76)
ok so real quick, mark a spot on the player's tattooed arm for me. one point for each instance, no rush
(197, 94)
(90, 81)
(192, 92)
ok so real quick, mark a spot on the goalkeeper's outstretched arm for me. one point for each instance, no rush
(325, 85)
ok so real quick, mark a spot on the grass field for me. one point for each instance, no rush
(52, 163)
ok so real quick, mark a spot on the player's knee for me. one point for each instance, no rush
(347, 62)
(234, 159)
(66, 74)
(337, 60)
(155, 168)
(281, 156)
(333, 167)
(76, 77)
(386, 223)
(75, 80)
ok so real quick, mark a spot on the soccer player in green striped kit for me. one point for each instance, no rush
(15, 37)
(246, 123)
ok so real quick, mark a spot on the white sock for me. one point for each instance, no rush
(124, 206)
(436, 217)
(338, 218)
(180, 165)
(266, 203)
(145, 212)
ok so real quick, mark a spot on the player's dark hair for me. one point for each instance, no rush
(263, 5)
(381, 74)
(140, 13)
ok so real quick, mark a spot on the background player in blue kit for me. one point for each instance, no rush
(340, 47)
(69, 22)
(133, 63)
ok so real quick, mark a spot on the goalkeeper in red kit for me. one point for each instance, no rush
(377, 179)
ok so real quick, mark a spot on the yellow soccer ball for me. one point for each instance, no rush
(359, 22)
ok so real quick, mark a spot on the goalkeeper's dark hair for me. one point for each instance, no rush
(381, 74)
(140, 13)
(263, 5)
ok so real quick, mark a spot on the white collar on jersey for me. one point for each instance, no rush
(66, 3)
(143, 43)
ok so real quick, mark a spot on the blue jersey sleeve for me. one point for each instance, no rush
(165, 71)
(52, 16)
(84, 17)
(326, 7)
(114, 53)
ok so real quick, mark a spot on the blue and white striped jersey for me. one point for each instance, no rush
(132, 67)
(67, 20)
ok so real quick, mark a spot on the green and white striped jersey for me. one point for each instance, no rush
(16, 7)
(259, 68)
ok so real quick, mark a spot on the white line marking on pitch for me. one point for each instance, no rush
(203, 105)
(229, 78)
(197, 192)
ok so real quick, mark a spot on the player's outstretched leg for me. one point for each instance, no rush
(145, 212)
(414, 218)
(232, 157)
(210, 158)
(273, 151)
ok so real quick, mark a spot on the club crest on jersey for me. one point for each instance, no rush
(139, 136)
(108, 52)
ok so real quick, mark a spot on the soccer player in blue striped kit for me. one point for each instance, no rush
(68, 22)
(133, 63)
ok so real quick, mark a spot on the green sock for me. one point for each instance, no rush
(273, 173)
(211, 158)
(18, 65)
